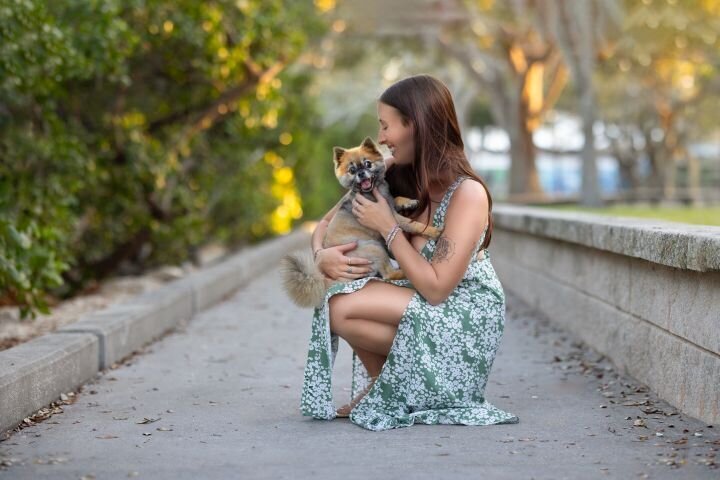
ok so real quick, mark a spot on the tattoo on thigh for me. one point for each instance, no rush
(444, 249)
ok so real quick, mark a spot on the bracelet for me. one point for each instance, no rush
(316, 252)
(391, 238)
(391, 235)
(392, 232)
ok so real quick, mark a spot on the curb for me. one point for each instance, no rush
(35, 373)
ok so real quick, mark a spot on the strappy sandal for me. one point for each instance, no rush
(344, 411)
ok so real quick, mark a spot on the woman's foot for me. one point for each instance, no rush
(344, 411)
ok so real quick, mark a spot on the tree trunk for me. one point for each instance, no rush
(573, 24)
(524, 177)
(694, 168)
(590, 194)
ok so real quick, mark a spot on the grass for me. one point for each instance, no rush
(694, 215)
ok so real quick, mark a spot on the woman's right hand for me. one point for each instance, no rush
(333, 263)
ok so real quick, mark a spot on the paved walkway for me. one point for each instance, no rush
(220, 400)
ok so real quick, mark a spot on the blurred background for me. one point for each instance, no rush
(136, 133)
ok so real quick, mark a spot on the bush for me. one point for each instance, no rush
(132, 132)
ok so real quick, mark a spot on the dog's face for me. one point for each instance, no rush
(359, 168)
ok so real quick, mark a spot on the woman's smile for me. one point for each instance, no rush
(396, 133)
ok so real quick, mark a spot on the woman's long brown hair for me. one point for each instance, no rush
(426, 103)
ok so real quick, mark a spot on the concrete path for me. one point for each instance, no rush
(220, 400)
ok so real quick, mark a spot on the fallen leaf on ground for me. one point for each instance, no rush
(147, 420)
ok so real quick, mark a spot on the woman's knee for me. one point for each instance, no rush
(376, 301)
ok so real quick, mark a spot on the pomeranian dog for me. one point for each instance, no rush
(358, 169)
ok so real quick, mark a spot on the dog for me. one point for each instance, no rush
(358, 169)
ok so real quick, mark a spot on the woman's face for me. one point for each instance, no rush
(394, 135)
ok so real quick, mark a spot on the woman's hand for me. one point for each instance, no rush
(333, 263)
(375, 215)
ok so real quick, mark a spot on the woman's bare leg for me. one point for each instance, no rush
(377, 301)
(372, 361)
(368, 318)
(374, 337)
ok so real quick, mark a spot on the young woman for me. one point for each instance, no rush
(422, 347)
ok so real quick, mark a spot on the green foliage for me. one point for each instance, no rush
(479, 114)
(132, 132)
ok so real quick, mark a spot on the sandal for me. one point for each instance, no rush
(344, 411)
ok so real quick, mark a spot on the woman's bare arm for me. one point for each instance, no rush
(332, 261)
(465, 221)
(319, 232)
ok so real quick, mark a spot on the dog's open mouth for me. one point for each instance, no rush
(366, 185)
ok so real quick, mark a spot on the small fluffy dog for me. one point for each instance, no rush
(359, 169)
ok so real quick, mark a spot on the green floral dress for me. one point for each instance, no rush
(439, 362)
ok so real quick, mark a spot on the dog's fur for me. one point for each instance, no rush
(359, 169)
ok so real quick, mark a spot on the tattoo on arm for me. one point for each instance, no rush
(444, 250)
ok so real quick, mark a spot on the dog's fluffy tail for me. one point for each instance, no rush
(302, 281)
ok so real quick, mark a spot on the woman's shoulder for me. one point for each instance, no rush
(470, 192)
(469, 204)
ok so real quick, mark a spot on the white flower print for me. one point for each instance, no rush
(438, 366)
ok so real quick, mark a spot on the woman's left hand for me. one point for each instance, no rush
(374, 215)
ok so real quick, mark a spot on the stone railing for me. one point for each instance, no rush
(645, 293)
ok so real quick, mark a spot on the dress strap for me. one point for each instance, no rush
(442, 209)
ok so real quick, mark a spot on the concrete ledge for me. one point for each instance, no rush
(214, 283)
(125, 327)
(656, 321)
(115, 332)
(128, 326)
(35, 373)
(692, 247)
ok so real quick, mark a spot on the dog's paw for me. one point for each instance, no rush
(402, 203)
(432, 232)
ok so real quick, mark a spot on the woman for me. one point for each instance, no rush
(423, 346)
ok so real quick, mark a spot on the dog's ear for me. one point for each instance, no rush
(369, 145)
(337, 154)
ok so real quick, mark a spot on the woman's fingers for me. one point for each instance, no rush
(357, 272)
(359, 267)
(358, 261)
(347, 246)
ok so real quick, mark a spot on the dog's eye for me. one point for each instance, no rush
(368, 164)
(352, 169)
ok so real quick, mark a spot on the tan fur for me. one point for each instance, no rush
(305, 284)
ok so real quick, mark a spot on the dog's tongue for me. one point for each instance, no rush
(365, 184)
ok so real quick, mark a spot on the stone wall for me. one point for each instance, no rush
(645, 293)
